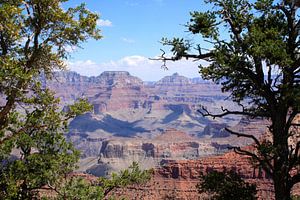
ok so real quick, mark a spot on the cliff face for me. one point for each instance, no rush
(135, 121)
(126, 106)
(174, 80)
(173, 100)
(115, 91)
(118, 153)
(178, 179)
(112, 85)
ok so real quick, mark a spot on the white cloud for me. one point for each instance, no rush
(128, 40)
(102, 23)
(140, 66)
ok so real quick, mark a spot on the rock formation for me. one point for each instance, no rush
(157, 125)
(126, 106)
(118, 153)
(178, 179)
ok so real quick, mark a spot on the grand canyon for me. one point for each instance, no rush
(157, 124)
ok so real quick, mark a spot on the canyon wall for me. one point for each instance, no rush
(125, 106)
(178, 179)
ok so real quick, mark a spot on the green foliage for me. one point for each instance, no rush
(45, 155)
(253, 53)
(131, 175)
(226, 185)
(204, 23)
(295, 197)
(126, 177)
(179, 46)
(34, 38)
(78, 188)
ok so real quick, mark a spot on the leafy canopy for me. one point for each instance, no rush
(226, 185)
(254, 54)
(103, 188)
(34, 40)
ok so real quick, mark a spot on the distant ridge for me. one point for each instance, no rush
(175, 78)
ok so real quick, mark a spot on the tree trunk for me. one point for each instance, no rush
(282, 190)
(281, 160)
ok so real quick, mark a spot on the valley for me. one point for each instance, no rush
(146, 122)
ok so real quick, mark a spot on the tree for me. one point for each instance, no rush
(34, 38)
(226, 185)
(255, 58)
(78, 188)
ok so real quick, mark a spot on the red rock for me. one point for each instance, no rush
(178, 179)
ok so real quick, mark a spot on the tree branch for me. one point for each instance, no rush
(3, 45)
(244, 135)
(295, 158)
(266, 159)
(164, 59)
(268, 169)
(23, 129)
(205, 113)
(290, 120)
(295, 179)
(55, 189)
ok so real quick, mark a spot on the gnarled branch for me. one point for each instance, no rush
(269, 169)
(205, 113)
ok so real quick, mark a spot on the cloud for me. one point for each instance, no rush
(128, 40)
(137, 65)
(102, 23)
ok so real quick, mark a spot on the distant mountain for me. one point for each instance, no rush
(147, 122)
(198, 80)
(173, 80)
(126, 106)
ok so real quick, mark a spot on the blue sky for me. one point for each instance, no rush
(131, 32)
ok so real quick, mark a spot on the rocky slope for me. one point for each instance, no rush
(157, 125)
(126, 106)
(118, 153)
(178, 179)
(131, 118)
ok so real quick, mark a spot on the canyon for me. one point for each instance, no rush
(158, 125)
(145, 122)
(178, 179)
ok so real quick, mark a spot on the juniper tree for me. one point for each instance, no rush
(254, 54)
(34, 39)
(226, 185)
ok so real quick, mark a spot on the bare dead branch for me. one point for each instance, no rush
(295, 157)
(244, 135)
(257, 142)
(269, 169)
(294, 124)
(205, 113)
(164, 59)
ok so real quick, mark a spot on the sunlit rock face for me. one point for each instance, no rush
(171, 102)
(178, 179)
(158, 125)
(133, 120)
(125, 106)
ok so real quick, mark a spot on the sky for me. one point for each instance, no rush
(132, 30)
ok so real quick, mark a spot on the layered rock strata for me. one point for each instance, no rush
(178, 179)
